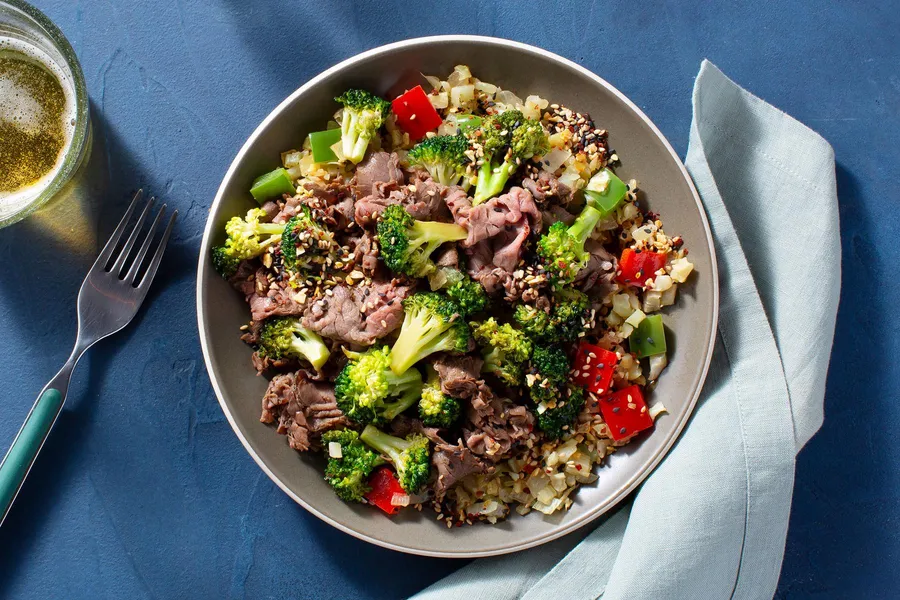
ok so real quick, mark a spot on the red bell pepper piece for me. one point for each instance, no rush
(384, 485)
(636, 267)
(415, 114)
(594, 367)
(625, 413)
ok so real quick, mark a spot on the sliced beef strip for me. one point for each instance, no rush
(403, 426)
(448, 257)
(423, 199)
(515, 209)
(600, 271)
(271, 209)
(365, 253)
(452, 463)
(459, 375)
(377, 167)
(497, 230)
(303, 409)
(244, 279)
(554, 213)
(547, 189)
(331, 204)
(429, 198)
(359, 314)
(264, 363)
(369, 208)
(272, 299)
(495, 425)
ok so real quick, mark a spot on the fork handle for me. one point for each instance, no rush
(25, 448)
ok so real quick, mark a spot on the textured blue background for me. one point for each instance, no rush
(145, 492)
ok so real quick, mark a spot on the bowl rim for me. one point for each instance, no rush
(593, 512)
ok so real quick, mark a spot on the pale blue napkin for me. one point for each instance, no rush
(710, 522)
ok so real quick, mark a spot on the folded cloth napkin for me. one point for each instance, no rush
(711, 520)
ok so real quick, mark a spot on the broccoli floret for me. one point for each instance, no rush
(224, 261)
(564, 322)
(443, 156)
(504, 348)
(431, 323)
(304, 242)
(407, 244)
(286, 338)
(570, 307)
(349, 474)
(363, 115)
(561, 249)
(437, 409)
(556, 422)
(506, 140)
(469, 295)
(367, 391)
(548, 373)
(248, 237)
(411, 457)
(534, 321)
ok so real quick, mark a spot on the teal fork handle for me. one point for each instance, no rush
(25, 447)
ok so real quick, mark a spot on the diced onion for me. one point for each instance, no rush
(658, 362)
(599, 182)
(629, 212)
(462, 94)
(662, 283)
(636, 317)
(488, 88)
(338, 149)
(439, 100)
(334, 450)
(399, 499)
(668, 296)
(681, 268)
(622, 305)
(554, 159)
(434, 82)
(533, 106)
(459, 76)
(652, 301)
(508, 98)
(656, 409)
(291, 158)
(560, 139)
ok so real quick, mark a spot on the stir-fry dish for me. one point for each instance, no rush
(457, 301)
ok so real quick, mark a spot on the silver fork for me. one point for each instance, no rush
(109, 298)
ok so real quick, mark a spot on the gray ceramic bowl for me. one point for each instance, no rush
(645, 155)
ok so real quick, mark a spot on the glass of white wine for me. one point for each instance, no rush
(44, 112)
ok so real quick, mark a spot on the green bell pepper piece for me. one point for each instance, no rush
(272, 185)
(612, 194)
(648, 338)
(321, 143)
(467, 123)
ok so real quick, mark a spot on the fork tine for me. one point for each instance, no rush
(132, 274)
(118, 267)
(157, 256)
(110, 246)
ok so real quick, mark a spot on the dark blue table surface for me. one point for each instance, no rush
(143, 490)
